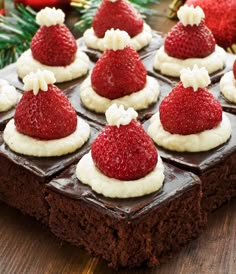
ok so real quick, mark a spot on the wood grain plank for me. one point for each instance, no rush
(28, 247)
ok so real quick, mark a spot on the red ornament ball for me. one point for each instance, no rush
(220, 17)
(39, 4)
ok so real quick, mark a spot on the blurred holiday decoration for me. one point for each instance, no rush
(220, 17)
(2, 11)
(39, 4)
(174, 6)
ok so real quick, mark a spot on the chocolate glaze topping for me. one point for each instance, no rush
(176, 182)
(201, 161)
(44, 167)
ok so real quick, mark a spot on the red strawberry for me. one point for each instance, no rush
(185, 111)
(189, 41)
(119, 14)
(54, 46)
(47, 115)
(124, 153)
(118, 73)
(234, 69)
(220, 17)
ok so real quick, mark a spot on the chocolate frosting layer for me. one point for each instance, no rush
(47, 166)
(215, 77)
(176, 182)
(5, 116)
(201, 161)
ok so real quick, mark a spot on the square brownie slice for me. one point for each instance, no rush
(156, 42)
(215, 168)
(23, 178)
(215, 77)
(73, 94)
(127, 232)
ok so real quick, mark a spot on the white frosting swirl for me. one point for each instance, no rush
(190, 15)
(26, 64)
(171, 66)
(88, 174)
(27, 145)
(8, 96)
(113, 1)
(137, 42)
(202, 141)
(228, 86)
(195, 78)
(50, 17)
(117, 116)
(116, 39)
(39, 80)
(137, 100)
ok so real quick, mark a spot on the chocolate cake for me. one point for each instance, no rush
(215, 168)
(23, 178)
(137, 231)
(127, 232)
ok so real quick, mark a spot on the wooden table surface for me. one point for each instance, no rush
(28, 247)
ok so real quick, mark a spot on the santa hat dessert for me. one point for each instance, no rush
(188, 43)
(119, 77)
(228, 85)
(123, 161)
(53, 48)
(190, 118)
(45, 123)
(9, 97)
(117, 14)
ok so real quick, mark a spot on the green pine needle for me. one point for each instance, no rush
(16, 32)
(87, 14)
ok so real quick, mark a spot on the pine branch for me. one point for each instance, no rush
(87, 10)
(16, 32)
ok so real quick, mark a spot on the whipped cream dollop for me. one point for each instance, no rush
(116, 39)
(202, 141)
(27, 145)
(79, 67)
(195, 78)
(137, 42)
(9, 97)
(137, 100)
(39, 80)
(190, 15)
(88, 174)
(228, 86)
(172, 66)
(117, 116)
(50, 17)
